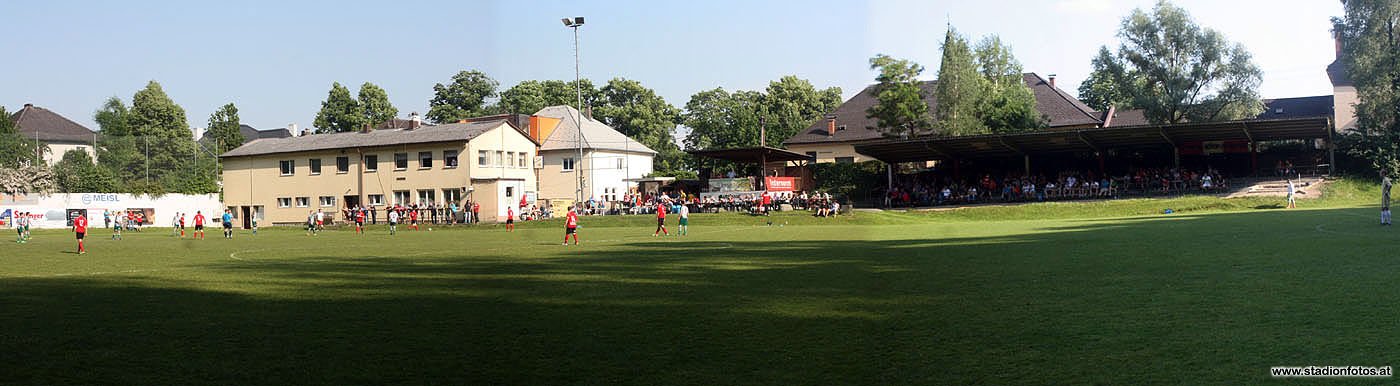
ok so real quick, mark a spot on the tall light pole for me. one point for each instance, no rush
(574, 23)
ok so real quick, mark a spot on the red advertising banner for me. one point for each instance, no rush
(779, 184)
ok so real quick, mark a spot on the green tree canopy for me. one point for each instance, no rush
(224, 133)
(793, 104)
(529, 96)
(340, 112)
(1006, 105)
(468, 95)
(900, 109)
(1107, 83)
(165, 135)
(374, 102)
(640, 113)
(959, 89)
(1177, 71)
(1370, 32)
(76, 173)
(15, 150)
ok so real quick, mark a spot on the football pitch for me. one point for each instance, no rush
(1197, 297)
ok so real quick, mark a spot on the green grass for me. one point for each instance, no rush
(1061, 293)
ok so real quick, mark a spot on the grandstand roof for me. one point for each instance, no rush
(1094, 139)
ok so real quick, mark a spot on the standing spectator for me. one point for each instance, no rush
(374, 215)
(476, 212)
(1385, 200)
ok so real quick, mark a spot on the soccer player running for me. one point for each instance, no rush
(228, 224)
(510, 219)
(660, 219)
(684, 227)
(22, 227)
(80, 225)
(199, 225)
(175, 228)
(413, 219)
(571, 226)
(1385, 200)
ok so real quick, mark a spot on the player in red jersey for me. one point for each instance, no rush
(660, 219)
(182, 225)
(571, 227)
(413, 218)
(80, 229)
(199, 225)
(360, 220)
(510, 219)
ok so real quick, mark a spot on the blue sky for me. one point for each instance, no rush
(277, 59)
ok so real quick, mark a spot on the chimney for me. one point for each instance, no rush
(588, 112)
(830, 125)
(366, 128)
(1052, 80)
(28, 105)
(535, 128)
(1336, 37)
(414, 121)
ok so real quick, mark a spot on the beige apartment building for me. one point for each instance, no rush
(281, 180)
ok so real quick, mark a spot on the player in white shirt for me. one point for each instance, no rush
(1385, 200)
(685, 220)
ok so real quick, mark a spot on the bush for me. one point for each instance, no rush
(853, 181)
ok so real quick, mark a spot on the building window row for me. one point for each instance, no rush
(502, 159)
(371, 163)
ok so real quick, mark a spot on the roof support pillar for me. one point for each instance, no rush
(889, 184)
(1028, 164)
(1331, 149)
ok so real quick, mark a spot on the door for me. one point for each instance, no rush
(352, 201)
(247, 217)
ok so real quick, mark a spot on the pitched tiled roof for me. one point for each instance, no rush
(347, 140)
(38, 122)
(1130, 117)
(1301, 107)
(398, 123)
(596, 135)
(1059, 108)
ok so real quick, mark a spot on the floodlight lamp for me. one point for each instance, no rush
(567, 22)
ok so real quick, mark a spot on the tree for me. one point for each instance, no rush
(959, 88)
(165, 136)
(792, 104)
(1370, 32)
(1188, 73)
(528, 97)
(1006, 105)
(32, 179)
(900, 109)
(467, 96)
(638, 112)
(118, 150)
(1108, 83)
(15, 150)
(76, 173)
(374, 101)
(224, 133)
(340, 112)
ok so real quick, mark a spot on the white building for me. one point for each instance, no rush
(609, 157)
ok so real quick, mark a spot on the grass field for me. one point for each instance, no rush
(1067, 293)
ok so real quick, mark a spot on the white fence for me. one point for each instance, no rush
(54, 211)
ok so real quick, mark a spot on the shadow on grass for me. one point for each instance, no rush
(1148, 300)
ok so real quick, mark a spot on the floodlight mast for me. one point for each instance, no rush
(578, 119)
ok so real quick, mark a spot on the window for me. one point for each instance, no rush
(425, 159)
(510, 191)
(401, 197)
(521, 160)
(303, 202)
(288, 167)
(568, 164)
(483, 158)
(812, 156)
(451, 195)
(376, 199)
(510, 159)
(619, 163)
(426, 196)
(449, 158)
(327, 201)
(372, 164)
(400, 161)
(342, 164)
(284, 202)
(497, 160)
(315, 164)
(845, 160)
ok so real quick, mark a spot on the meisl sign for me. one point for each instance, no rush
(779, 184)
